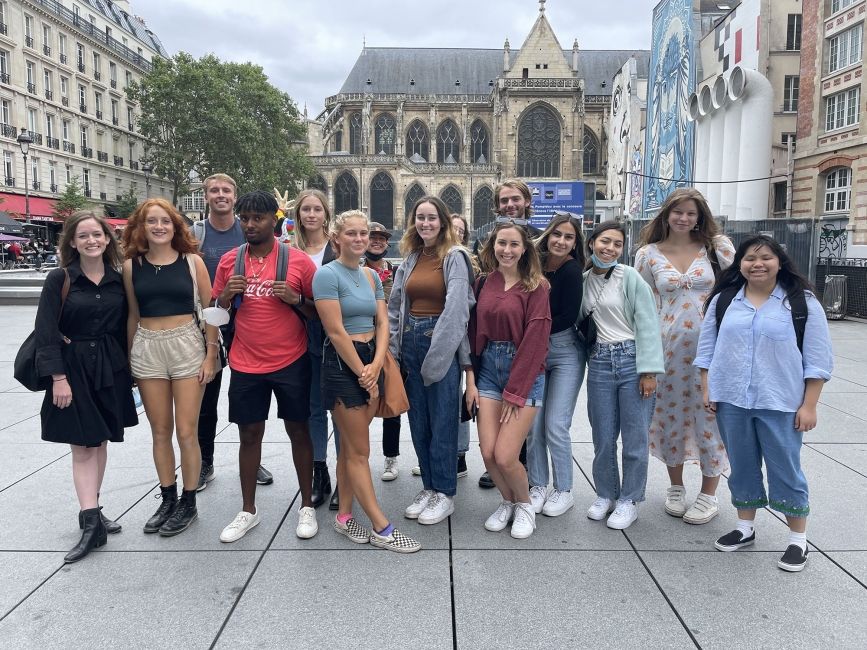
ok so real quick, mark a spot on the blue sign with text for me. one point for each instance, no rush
(565, 196)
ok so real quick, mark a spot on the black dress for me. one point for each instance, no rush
(94, 360)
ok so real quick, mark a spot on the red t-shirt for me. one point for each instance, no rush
(269, 335)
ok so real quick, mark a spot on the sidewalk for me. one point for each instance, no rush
(573, 584)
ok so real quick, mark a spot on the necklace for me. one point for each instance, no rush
(357, 278)
(159, 267)
(262, 263)
(426, 254)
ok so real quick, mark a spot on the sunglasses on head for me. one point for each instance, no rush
(515, 222)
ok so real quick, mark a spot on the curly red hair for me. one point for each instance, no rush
(135, 242)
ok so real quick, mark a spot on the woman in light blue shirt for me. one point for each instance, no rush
(763, 384)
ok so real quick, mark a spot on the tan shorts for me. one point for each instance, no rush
(167, 354)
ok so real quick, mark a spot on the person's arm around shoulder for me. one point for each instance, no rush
(725, 251)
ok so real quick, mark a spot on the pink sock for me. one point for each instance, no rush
(342, 519)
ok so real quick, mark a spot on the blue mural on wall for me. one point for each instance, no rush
(668, 150)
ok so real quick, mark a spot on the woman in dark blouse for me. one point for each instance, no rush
(81, 346)
(561, 249)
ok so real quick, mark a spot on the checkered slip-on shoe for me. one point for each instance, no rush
(397, 542)
(353, 530)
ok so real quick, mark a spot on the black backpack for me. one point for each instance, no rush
(797, 302)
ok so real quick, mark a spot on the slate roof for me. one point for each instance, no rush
(127, 22)
(435, 70)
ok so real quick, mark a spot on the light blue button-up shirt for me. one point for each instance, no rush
(754, 361)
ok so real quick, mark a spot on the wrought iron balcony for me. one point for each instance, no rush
(53, 143)
(87, 192)
(87, 152)
(46, 50)
(63, 58)
(8, 131)
(28, 41)
(68, 146)
(36, 137)
(82, 108)
(81, 67)
(4, 77)
(31, 88)
(9, 181)
(131, 126)
(64, 101)
(99, 115)
(102, 156)
(4, 29)
(113, 83)
(103, 195)
(115, 121)
(97, 75)
(118, 161)
(53, 188)
(35, 185)
(49, 95)
(133, 164)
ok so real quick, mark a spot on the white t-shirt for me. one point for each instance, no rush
(317, 257)
(607, 301)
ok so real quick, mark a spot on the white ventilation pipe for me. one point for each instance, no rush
(697, 110)
(754, 93)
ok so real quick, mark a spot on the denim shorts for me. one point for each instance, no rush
(337, 380)
(495, 366)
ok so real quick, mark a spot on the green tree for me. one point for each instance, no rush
(126, 205)
(71, 200)
(202, 116)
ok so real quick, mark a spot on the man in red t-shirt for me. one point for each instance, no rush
(268, 355)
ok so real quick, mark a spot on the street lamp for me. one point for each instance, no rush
(24, 141)
(147, 168)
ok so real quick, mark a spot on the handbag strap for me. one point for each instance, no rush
(197, 300)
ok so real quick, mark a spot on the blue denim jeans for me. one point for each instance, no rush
(318, 415)
(463, 427)
(494, 370)
(564, 373)
(433, 410)
(751, 435)
(616, 409)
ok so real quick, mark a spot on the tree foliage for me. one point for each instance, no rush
(204, 116)
(71, 200)
(127, 204)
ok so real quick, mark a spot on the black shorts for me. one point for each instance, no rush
(250, 394)
(337, 380)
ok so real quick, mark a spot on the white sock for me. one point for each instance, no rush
(711, 497)
(746, 527)
(798, 539)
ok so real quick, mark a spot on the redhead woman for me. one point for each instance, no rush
(168, 356)
(81, 352)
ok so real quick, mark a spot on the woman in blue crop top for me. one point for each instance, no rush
(351, 305)
(168, 357)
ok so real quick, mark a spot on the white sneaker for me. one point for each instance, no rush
(501, 517)
(390, 472)
(240, 526)
(538, 494)
(624, 515)
(702, 511)
(525, 521)
(558, 502)
(438, 507)
(307, 526)
(600, 509)
(416, 471)
(414, 509)
(675, 500)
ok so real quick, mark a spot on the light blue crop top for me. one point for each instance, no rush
(351, 288)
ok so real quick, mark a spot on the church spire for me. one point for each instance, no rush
(541, 6)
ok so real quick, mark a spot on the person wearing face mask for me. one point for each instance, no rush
(374, 258)
(623, 363)
(428, 314)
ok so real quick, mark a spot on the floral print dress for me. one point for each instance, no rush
(681, 429)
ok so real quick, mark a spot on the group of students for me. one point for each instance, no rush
(517, 326)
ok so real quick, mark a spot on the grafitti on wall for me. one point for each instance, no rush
(833, 239)
(635, 182)
(669, 138)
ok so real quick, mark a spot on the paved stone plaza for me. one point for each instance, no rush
(573, 584)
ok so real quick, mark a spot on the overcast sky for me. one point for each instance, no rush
(307, 48)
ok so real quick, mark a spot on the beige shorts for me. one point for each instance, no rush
(177, 353)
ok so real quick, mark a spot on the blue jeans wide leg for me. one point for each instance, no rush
(738, 433)
(433, 414)
(615, 408)
(564, 373)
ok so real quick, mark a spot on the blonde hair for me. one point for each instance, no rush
(446, 238)
(529, 266)
(339, 223)
(213, 178)
(300, 232)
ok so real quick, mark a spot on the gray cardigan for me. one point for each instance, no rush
(450, 332)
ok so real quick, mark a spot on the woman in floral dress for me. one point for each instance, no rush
(681, 253)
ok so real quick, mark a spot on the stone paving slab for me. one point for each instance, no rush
(22, 573)
(855, 562)
(335, 599)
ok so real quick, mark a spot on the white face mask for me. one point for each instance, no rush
(216, 316)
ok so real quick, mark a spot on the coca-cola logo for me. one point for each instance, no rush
(262, 289)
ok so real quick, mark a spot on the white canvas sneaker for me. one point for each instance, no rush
(501, 517)
(538, 495)
(558, 502)
(390, 471)
(675, 500)
(307, 526)
(414, 509)
(600, 509)
(624, 515)
(240, 526)
(525, 521)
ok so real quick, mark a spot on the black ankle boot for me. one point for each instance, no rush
(111, 527)
(334, 504)
(169, 495)
(94, 536)
(321, 483)
(183, 516)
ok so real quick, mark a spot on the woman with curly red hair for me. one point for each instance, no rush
(168, 357)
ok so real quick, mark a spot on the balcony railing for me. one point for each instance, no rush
(87, 192)
(115, 121)
(81, 67)
(53, 143)
(68, 146)
(102, 156)
(49, 95)
(131, 126)
(63, 58)
(103, 195)
(133, 164)
(8, 131)
(4, 77)
(53, 188)
(82, 108)
(36, 137)
(99, 115)
(118, 197)
(35, 185)
(118, 161)
(28, 41)
(113, 83)
(46, 50)
(9, 181)
(97, 76)
(31, 88)
(4, 29)
(87, 152)
(91, 30)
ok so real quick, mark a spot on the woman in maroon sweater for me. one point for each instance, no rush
(509, 332)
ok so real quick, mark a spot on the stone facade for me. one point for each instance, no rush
(454, 122)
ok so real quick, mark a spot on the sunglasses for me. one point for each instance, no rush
(513, 221)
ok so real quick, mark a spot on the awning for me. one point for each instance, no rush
(39, 207)
(9, 225)
(117, 223)
(11, 238)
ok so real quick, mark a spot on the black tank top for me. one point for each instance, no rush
(165, 290)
